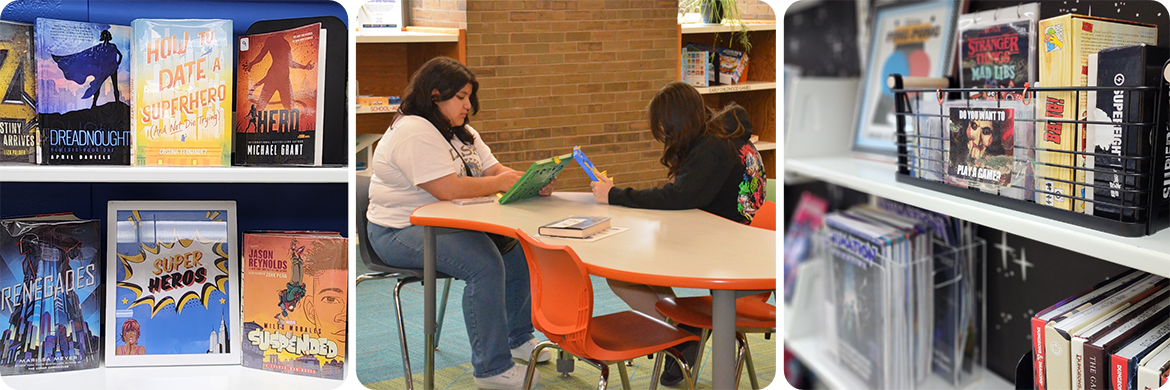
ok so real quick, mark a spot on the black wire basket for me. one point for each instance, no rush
(1136, 202)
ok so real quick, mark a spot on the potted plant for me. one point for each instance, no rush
(716, 12)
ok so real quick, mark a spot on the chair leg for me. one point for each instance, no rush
(604, 382)
(686, 370)
(697, 365)
(739, 358)
(625, 375)
(751, 367)
(657, 371)
(442, 311)
(532, 367)
(565, 364)
(402, 334)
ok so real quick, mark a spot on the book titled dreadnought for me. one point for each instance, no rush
(18, 108)
(294, 302)
(182, 79)
(280, 97)
(83, 75)
(51, 273)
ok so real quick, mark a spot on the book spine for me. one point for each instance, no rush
(1094, 367)
(1120, 368)
(1038, 352)
(1055, 61)
(1078, 363)
(1057, 351)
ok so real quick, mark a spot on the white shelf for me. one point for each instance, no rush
(815, 354)
(700, 28)
(741, 87)
(372, 35)
(390, 109)
(1150, 253)
(765, 145)
(132, 174)
(175, 377)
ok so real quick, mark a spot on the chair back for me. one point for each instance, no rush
(562, 293)
(365, 248)
(765, 217)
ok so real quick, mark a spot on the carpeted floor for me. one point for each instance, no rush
(379, 361)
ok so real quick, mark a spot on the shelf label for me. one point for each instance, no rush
(729, 88)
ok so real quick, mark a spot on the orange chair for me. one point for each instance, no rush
(562, 309)
(765, 217)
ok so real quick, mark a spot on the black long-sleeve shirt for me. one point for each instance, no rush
(722, 177)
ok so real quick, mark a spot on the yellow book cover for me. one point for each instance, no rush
(181, 73)
(294, 302)
(1066, 43)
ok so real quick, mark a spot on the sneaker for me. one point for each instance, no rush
(511, 379)
(524, 351)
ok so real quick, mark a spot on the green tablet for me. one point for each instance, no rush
(537, 177)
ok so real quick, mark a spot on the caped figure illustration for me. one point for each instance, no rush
(277, 78)
(100, 61)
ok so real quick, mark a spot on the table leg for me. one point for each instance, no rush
(429, 255)
(723, 339)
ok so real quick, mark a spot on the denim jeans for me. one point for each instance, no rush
(496, 305)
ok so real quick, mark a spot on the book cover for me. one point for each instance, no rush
(294, 301)
(981, 147)
(1121, 180)
(173, 293)
(50, 295)
(1151, 367)
(1123, 364)
(1065, 44)
(279, 97)
(858, 255)
(83, 80)
(576, 226)
(1091, 346)
(997, 56)
(181, 72)
(18, 83)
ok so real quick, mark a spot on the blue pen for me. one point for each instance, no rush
(585, 163)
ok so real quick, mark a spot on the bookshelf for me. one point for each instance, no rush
(386, 60)
(756, 91)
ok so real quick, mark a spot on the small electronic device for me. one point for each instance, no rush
(586, 164)
(536, 178)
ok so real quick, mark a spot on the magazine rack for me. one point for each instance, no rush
(919, 116)
(946, 286)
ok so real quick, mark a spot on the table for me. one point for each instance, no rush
(678, 248)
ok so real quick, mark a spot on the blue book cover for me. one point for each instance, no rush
(83, 76)
(49, 291)
(170, 293)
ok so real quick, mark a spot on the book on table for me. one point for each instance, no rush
(575, 227)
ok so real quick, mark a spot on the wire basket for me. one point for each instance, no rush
(1123, 188)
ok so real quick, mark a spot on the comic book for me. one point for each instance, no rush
(294, 302)
(18, 108)
(182, 80)
(997, 49)
(280, 97)
(83, 79)
(49, 293)
(172, 296)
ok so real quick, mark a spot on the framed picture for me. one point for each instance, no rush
(172, 293)
(909, 39)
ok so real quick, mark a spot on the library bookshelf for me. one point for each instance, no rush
(756, 92)
(386, 60)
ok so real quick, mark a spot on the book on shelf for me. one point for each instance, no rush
(84, 93)
(730, 64)
(294, 302)
(1092, 346)
(988, 146)
(280, 97)
(575, 227)
(1066, 43)
(1058, 350)
(18, 108)
(1123, 171)
(181, 74)
(1042, 318)
(1153, 366)
(997, 49)
(172, 291)
(57, 325)
(1124, 362)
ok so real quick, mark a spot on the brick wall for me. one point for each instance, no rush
(438, 13)
(555, 74)
(755, 10)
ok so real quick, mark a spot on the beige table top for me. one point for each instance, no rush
(678, 248)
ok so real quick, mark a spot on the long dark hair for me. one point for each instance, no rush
(448, 76)
(679, 118)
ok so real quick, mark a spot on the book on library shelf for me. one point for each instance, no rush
(575, 227)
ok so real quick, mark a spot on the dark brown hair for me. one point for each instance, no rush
(448, 76)
(679, 118)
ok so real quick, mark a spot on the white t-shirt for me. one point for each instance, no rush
(413, 152)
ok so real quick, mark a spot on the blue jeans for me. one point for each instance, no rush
(496, 305)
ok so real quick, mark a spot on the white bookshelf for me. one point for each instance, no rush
(701, 28)
(374, 35)
(1150, 253)
(134, 174)
(816, 355)
(765, 145)
(173, 377)
(741, 87)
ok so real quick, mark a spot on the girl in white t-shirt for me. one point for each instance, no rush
(430, 153)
